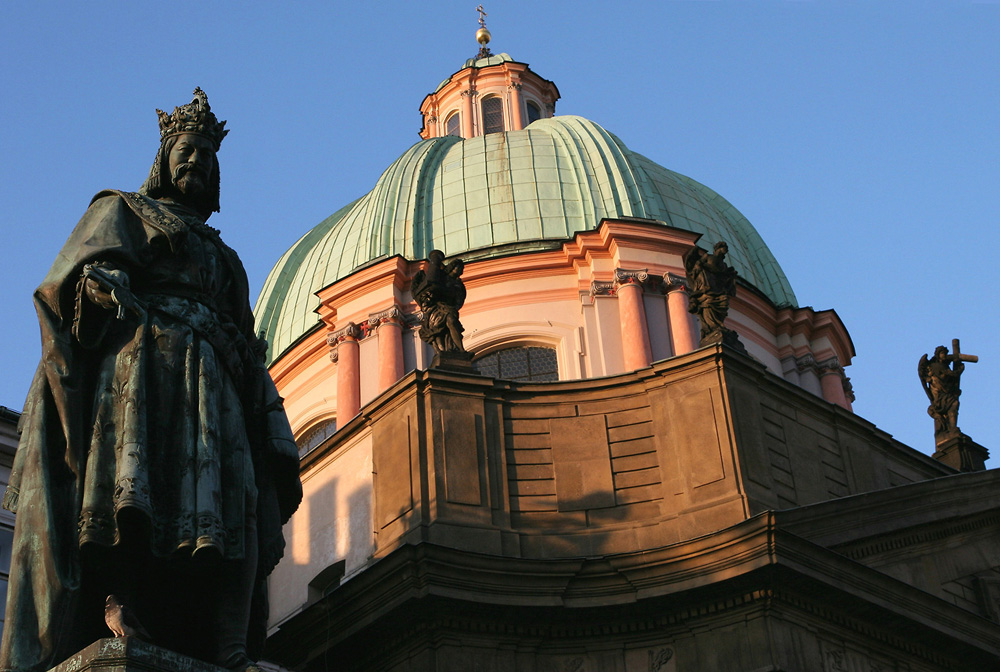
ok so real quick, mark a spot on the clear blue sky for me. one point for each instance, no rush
(860, 138)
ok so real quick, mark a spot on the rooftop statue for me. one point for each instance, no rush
(439, 291)
(713, 283)
(940, 378)
(156, 465)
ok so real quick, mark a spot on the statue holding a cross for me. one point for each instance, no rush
(940, 376)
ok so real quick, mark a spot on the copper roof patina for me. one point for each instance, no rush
(531, 187)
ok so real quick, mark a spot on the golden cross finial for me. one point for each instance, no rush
(482, 16)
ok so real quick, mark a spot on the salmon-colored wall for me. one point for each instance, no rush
(573, 299)
(514, 83)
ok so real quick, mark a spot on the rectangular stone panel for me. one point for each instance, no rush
(522, 441)
(391, 461)
(537, 456)
(646, 493)
(632, 479)
(531, 503)
(529, 471)
(695, 413)
(629, 432)
(630, 417)
(633, 462)
(532, 488)
(460, 434)
(634, 447)
(582, 463)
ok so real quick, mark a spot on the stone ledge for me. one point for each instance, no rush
(128, 654)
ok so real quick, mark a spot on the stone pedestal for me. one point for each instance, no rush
(128, 654)
(961, 452)
(725, 337)
(457, 360)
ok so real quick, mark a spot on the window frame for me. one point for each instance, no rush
(455, 115)
(497, 348)
(501, 111)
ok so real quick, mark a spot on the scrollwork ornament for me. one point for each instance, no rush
(598, 288)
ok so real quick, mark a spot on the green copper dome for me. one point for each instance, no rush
(498, 193)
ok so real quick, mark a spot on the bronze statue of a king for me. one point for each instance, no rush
(156, 465)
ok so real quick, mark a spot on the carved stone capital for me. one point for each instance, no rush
(351, 331)
(431, 119)
(335, 354)
(673, 282)
(831, 365)
(602, 288)
(392, 314)
(625, 276)
(806, 363)
(514, 85)
(470, 92)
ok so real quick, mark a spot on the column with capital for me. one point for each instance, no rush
(683, 330)
(516, 118)
(346, 354)
(831, 381)
(389, 329)
(467, 97)
(636, 351)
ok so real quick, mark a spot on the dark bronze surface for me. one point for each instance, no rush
(439, 291)
(940, 377)
(155, 461)
(713, 283)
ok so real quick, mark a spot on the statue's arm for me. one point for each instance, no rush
(100, 286)
(110, 238)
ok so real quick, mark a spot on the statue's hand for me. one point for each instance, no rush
(102, 296)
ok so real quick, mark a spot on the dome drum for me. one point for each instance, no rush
(606, 301)
(522, 96)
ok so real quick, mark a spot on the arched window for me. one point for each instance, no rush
(451, 127)
(520, 363)
(492, 115)
(534, 112)
(316, 436)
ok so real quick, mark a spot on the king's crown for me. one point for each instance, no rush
(195, 117)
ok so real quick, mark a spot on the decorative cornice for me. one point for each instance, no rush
(886, 543)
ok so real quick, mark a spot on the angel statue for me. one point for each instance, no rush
(941, 384)
(439, 291)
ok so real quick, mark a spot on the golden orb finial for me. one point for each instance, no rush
(483, 36)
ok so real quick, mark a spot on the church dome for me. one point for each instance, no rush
(498, 194)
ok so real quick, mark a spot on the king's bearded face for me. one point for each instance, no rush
(191, 161)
